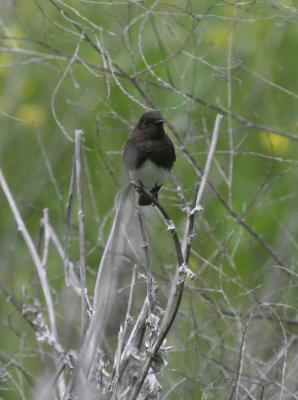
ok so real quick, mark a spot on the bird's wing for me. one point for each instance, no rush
(134, 155)
(161, 152)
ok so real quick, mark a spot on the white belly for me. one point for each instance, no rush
(149, 174)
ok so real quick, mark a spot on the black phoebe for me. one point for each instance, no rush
(149, 155)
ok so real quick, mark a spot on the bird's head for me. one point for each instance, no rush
(151, 121)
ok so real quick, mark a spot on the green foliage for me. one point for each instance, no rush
(96, 66)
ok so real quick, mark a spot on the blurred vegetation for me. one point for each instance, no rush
(95, 66)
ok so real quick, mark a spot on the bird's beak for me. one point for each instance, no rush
(159, 122)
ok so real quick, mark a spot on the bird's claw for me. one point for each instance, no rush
(154, 201)
(139, 186)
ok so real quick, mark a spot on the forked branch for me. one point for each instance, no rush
(182, 270)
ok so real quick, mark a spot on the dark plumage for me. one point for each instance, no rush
(149, 154)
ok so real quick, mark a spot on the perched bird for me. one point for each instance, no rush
(149, 155)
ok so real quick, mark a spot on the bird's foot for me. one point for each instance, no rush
(154, 200)
(139, 186)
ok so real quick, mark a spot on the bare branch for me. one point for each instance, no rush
(35, 257)
(84, 294)
(150, 280)
(200, 190)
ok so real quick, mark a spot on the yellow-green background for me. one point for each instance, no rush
(196, 42)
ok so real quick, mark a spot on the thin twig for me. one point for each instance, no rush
(236, 386)
(45, 222)
(68, 218)
(84, 295)
(9, 360)
(200, 190)
(49, 167)
(178, 285)
(123, 333)
(35, 257)
(150, 280)
(170, 223)
(41, 272)
(135, 339)
(72, 278)
(174, 297)
(238, 218)
(90, 188)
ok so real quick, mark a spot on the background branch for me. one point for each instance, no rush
(64, 65)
